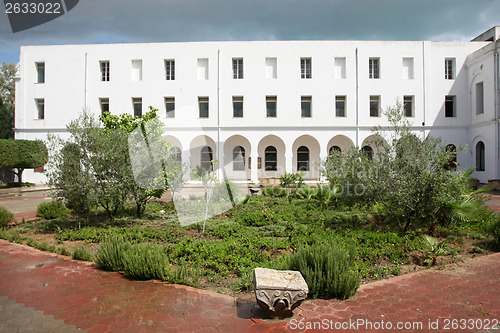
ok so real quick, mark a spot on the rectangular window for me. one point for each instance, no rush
(104, 103)
(203, 69)
(449, 68)
(450, 106)
(170, 69)
(340, 68)
(305, 68)
(137, 104)
(104, 65)
(306, 106)
(40, 72)
(203, 106)
(374, 106)
(479, 98)
(408, 68)
(170, 107)
(271, 102)
(40, 108)
(408, 105)
(340, 102)
(271, 68)
(238, 106)
(374, 68)
(237, 68)
(136, 70)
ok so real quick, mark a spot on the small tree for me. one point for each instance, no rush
(291, 182)
(209, 179)
(7, 99)
(22, 154)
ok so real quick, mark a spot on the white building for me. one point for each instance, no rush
(263, 108)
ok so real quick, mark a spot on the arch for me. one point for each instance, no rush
(196, 145)
(241, 169)
(306, 146)
(375, 142)
(279, 145)
(480, 156)
(173, 141)
(341, 141)
(303, 159)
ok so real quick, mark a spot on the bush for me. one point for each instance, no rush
(51, 210)
(5, 216)
(80, 253)
(11, 235)
(144, 262)
(327, 269)
(110, 253)
(495, 231)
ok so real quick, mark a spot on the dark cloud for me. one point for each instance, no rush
(104, 21)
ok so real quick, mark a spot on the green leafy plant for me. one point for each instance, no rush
(110, 253)
(52, 210)
(5, 216)
(81, 253)
(145, 262)
(328, 269)
(433, 248)
(291, 182)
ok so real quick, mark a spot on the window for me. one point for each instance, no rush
(340, 102)
(175, 154)
(480, 156)
(368, 151)
(479, 98)
(40, 108)
(408, 105)
(170, 69)
(271, 102)
(170, 107)
(136, 70)
(449, 106)
(408, 68)
(40, 72)
(271, 159)
(305, 106)
(374, 68)
(203, 69)
(238, 106)
(302, 159)
(238, 158)
(104, 70)
(203, 106)
(104, 103)
(374, 106)
(340, 68)
(237, 68)
(206, 158)
(305, 68)
(271, 68)
(137, 103)
(449, 68)
(334, 149)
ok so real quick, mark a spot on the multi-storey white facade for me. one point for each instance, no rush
(273, 106)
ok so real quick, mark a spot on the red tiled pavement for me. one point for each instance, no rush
(98, 301)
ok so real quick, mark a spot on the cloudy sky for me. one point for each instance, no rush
(111, 21)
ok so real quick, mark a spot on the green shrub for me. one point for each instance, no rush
(11, 235)
(327, 268)
(81, 253)
(5, 216)
(51, 210)
(495, 231)
(274, 191)
(145, 262)
(110, 253)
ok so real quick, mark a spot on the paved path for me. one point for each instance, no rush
(96, 301)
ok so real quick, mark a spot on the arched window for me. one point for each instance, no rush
(206, 158)
(302, 159)
(334, 149)
(480, 156)
(175, 154)
(238, 158)
(271, 158)
(368, 150)
(452, 162)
